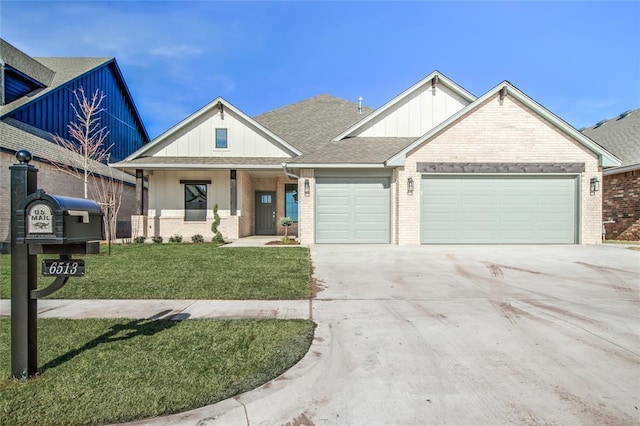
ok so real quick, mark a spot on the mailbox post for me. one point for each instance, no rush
(43, 224)
(24, 277)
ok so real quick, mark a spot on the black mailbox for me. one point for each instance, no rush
(45, 219)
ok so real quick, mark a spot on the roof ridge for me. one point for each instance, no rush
(311, 98)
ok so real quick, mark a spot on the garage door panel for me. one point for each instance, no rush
(360, 210)
(498, 209)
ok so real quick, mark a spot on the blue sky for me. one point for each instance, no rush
(581, 60)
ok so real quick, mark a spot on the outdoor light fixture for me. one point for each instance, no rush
(595, 185)
(410, 185)
(307, 188)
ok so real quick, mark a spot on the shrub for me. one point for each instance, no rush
(157, 240)
(197, 238)
(286, 222)
(217, 237)
(139, 240)
(175, 238)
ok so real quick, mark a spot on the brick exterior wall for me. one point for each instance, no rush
(54, 181)
(500, 132)
(306, 207)
(247, 221)
(621, 204)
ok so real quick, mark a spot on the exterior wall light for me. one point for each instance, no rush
(307, 188)
(410, 185)
(595, 185)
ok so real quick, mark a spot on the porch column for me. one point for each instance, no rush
(234, 193)
(139, 192)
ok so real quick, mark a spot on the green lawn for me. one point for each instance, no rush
(184, 271)
(102, 371)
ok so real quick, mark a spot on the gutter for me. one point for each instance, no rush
(623, 169)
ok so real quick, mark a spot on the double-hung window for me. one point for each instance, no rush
(221, 139)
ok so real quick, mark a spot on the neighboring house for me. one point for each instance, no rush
(35, 103)
(621, 185)
(433, 165)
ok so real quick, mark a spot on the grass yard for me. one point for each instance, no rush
(104, 371)
(184, 271)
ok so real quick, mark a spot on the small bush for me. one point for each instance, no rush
(139, 240)
(157, 240)
(175, 239)
(197, 238)
(217, 238)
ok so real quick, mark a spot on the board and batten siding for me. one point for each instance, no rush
(199, 139)
(506, 132)
(418, 113)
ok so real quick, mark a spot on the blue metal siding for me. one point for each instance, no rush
(53, 112)
(17, 85)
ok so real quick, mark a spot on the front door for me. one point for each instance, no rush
(265, 213)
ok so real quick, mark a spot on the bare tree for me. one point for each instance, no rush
(87, 151)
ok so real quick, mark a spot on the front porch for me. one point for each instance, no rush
(250, 202)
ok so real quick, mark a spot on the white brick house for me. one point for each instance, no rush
(435, 165)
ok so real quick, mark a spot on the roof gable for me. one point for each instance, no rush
(195, 136)
(414, 111)
(507, 89)
(50, 109)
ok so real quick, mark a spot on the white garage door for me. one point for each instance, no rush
(353, 210)
(498, 209)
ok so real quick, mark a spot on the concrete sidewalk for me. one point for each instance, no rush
(177, 309)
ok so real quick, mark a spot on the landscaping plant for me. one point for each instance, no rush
(286, 222)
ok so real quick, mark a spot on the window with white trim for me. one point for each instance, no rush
(221, 139)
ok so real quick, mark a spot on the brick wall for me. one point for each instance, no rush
(306, 206)
(621, 204)
(500, 132)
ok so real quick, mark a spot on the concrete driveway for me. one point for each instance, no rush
(481, 335)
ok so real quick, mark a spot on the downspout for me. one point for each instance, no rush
(288, 173)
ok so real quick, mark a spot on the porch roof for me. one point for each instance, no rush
(219, 163)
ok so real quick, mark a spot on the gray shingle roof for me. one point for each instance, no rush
(16, 135)
(312, 123)
(620, 136)
(363, 150)
(27, 65)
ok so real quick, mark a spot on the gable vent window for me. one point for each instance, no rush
(221, 139)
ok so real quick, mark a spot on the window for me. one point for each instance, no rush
(265, 199)
(291, 201)
(221, 138)
(195, 201)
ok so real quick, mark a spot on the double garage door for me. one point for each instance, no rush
(498, 209)
(353, 210)
(453, 210)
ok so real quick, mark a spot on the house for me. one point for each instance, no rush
(35, 103)
(621, 185)
(434, 165)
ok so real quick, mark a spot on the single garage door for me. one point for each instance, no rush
(353, 210)
(498, 209)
